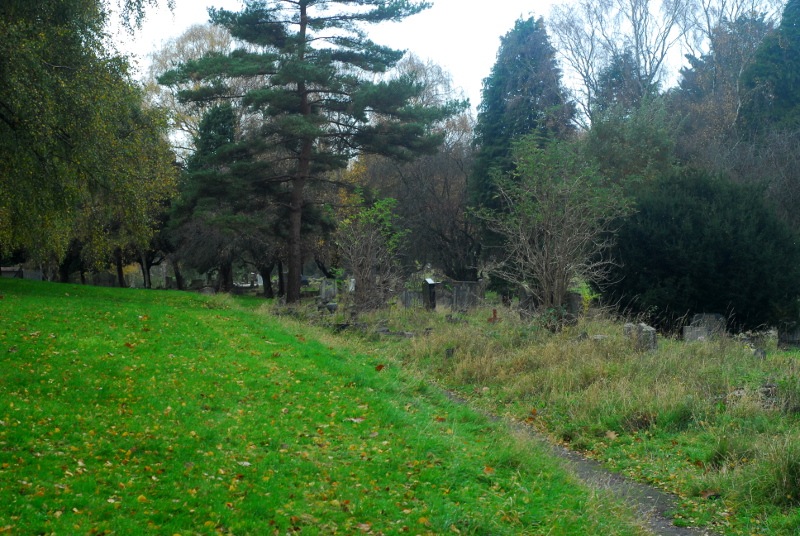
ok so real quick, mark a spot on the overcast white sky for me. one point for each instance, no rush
(460, 35)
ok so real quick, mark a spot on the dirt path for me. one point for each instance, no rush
(651, 503)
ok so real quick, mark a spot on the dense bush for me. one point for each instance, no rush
(700, 243)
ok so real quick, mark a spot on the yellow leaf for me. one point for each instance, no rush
(141, 499)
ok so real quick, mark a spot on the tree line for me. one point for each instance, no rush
(281, 135)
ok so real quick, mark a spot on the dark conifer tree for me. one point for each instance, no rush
(319, 98)
(523, 95)
(772, 82)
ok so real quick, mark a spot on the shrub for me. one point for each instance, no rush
(700, 243)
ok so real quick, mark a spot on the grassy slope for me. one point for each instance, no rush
(146, 412)
(689, 418)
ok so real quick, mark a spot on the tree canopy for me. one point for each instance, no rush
(77, 149)
(320, 100)
(772, 81)
(522, 95)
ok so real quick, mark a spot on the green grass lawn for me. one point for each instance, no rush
(149, 412)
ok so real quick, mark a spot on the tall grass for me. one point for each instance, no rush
(690, 416)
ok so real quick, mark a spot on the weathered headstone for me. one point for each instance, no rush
(429, 293)
(528, 302)
(411, 298)
(714, 323)
(789, 335)
(463, 294)
(574, 303)
(33, 275)
(695, 333)
(327, 289)
(644, 337)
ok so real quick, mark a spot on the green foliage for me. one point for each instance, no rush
(619, 86)
(318, 93)
(772, 81)
(555, 208)
(699, 243)
(368, 239)
(634, 142)
(79, 155)
(523, 95)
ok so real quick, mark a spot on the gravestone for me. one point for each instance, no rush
(644, 337)
(462, 295)
(695, 333)
(429, 293)
(528, 302)
(12, 271)
(33, 275)
(704, 326)
(789, 335)
(574, 303)
(327, 290)
(411, 298)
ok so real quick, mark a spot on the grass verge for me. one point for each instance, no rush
(147, 412)
(709, 421)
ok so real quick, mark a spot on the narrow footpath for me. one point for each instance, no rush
(651, 503)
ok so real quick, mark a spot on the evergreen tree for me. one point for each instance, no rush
(772, 82)
(523, 95)
(319, 98)
(701, 244)
(620, 86)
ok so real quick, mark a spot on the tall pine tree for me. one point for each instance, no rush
(523, 95)
(319, 98)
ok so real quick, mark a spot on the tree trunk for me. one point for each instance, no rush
(281, 281)
(225, 277)
(63, 272)
(299, 180)
(83, 276)
(266, 275)
(145, 265)
(325, 271)
(120, 273)
(295, 259)
(179, 282)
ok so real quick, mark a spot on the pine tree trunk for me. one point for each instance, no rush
(179, 282)
(266, 276)
(281, 281)
(145, 270)
(299, 181)
(120, 273)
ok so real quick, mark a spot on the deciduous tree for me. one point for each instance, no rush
(557, 210)
(78, 152)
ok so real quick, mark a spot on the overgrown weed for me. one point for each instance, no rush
(691, 417)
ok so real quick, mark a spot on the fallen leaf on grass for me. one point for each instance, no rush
(355, 419)
(141, 499)
(612, 435)
(366, 527)
(379, 368)
(488, 471)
